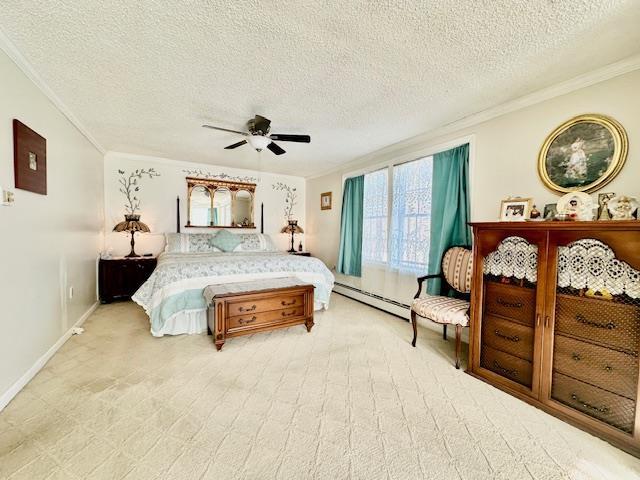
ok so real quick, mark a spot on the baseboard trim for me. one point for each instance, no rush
(42, 361)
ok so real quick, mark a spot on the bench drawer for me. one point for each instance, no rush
(246, 307)
(251, 320)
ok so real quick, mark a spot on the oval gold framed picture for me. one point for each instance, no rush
(583, 154)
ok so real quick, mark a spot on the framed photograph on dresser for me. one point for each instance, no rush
(515, 209)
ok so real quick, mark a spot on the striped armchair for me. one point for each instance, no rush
(457, 268)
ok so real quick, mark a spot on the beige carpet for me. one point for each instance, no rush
(351, 399)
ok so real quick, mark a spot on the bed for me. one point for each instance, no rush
(173, 298)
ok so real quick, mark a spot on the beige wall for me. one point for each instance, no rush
(158, 200)
(505, 160)
(47, 243)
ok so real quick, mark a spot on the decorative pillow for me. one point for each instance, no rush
(201, 243)
(176, 242)
(225, 241)
(189, 242)
(255, 242)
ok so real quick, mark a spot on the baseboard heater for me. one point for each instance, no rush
(398, 309)
(378, 301)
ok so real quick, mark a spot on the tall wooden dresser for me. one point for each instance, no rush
(555, 320)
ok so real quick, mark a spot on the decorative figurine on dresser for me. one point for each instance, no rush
(556, 320)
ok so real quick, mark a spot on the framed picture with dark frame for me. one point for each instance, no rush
(325, 201)
(29, 159)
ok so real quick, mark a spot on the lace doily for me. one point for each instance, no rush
(515, 257)
(589, 263)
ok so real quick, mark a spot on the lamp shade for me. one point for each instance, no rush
(292, 227)
(132, 224)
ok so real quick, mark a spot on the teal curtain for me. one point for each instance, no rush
(450, 210)
(350, 256)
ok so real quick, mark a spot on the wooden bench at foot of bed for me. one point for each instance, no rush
(244, 308)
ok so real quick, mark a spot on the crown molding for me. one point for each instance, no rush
(12, 52)
(599, 75)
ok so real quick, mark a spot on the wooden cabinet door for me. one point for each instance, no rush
(590, 362)
(508, 302)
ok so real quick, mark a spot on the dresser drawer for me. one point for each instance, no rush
(264, 305)
(511, 301)
(510, 337)
(595, 402)
(506, 365)
(605, 322)
(274, 316)
(608, 369)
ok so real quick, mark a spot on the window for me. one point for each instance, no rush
(411, 215)
(375, 218)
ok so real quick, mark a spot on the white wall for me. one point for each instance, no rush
(504, 160)
(158, 200)
(47, 243)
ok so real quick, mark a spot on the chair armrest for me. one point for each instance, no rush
(422, 279)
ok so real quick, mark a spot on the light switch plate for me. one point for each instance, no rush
(7, 197)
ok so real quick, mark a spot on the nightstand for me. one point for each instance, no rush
(119, 278)
(301, 254)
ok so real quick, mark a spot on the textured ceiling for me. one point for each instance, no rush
(355, 75)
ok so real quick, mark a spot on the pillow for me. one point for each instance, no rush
(255, 242)
(225, 241)
(176, 243)
(189, 243)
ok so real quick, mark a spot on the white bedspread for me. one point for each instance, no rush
(173, 295)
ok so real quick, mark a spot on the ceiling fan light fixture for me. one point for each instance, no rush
(258, 142)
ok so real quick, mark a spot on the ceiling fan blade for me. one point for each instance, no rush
(262, 124)
(225, 130)
(276, 149)
(283, 137)
(236, 145)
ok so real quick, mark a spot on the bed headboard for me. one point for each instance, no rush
(178, 216)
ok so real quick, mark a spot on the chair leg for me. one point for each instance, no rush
(415, 328)
(444, 332)
(458, 334)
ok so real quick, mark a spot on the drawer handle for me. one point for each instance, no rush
(253, 307)
(504, 303)
(513, 338)
(585, 321)
(286, 304)
(577, 399)
(608, 368)
(244, 321)
(576, 356)
(285, 314)
(505, 371)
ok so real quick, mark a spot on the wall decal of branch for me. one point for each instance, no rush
(130, 186)
(199, 173)
(290, 200)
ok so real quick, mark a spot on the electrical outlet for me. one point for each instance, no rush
(7, 197)
(70, 293)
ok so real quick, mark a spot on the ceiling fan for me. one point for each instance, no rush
(259, 136)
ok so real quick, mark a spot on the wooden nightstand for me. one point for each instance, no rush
(301, 254)
(119, 278)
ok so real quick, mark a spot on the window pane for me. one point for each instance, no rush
(411, 215)
(374, 223)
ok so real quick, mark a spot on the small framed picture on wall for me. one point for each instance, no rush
(325, 201)
(515, 209)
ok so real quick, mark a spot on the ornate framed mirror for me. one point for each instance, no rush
(219, 204)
